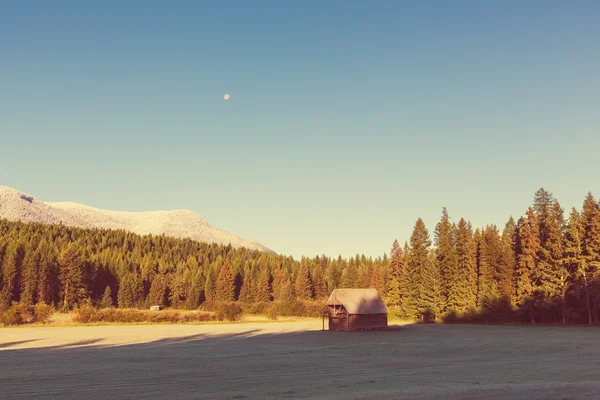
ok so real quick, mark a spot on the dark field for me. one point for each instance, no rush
(296, 360)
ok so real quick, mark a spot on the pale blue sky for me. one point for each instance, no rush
(347, 122)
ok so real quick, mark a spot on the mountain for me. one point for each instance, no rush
(18, 206)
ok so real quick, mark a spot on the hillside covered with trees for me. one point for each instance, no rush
(543, 267)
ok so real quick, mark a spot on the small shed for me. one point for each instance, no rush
(355, 309)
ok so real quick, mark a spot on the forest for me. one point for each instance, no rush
(544, 267)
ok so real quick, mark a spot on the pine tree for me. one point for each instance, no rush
(319, 282)
(477, 239)
(591, 249)
(350, 276)
(491, 299)
(178, 289)
(11, 268)
(247, 290)
(509, 260)
(413, 285)
(225, 287)
(195, 294)
(107, 300)
(396, 261)
(210, 288)
(432, 296)
(528, 247)
(448, 263)
(158, 291)
(72, 277)
(549, 276)
(263, 291)
(29, 277)
(490, 261)
(377, 281)
(280, 276)
(575, 261)
(543, 203)
(394, 298)
(303, 284)
(466, 288)
(552, 274)
(286, 294)
(130, 291)
(47, 273)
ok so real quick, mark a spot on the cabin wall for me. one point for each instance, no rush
(356, 322)
(368, 321)
(337, 324)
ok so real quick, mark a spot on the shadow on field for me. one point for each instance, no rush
(413, 361)
(11, 344)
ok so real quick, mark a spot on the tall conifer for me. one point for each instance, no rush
(225, 287)
(447, 260)
(528, 247)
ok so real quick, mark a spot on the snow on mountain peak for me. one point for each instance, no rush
(18, 206)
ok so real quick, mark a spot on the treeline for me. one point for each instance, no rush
(543, 268)
(66, 267)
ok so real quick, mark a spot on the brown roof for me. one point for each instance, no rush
(358, 301)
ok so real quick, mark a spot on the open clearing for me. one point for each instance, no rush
(297, 360)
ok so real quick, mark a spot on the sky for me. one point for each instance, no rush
(348, 120)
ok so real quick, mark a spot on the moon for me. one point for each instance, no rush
(227, 96)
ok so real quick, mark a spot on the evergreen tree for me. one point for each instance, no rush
(225, 287)
(247, 291)
(286, 294)
(465, 290)
(477, 239)
(432, 296)
(158, 291)
(394, 298)
(72, 277)
(448, 263)
(319, 282)
(303, 285)
(508, 239)
(195, 294)
(210, 288)
(107, 300)
(350, 276)
(493, 296)
(575, 261)
(413, 284)
(376, 280)
(11, 268)
(591, 253)
(280, 276)
(490, 262)
(130, 291)
(552, 274)
(178, 289)
(549, 276)
(543, 203)
(263, 291)
(528, 247)
(29, 277)
(396, 261)
(47, 273)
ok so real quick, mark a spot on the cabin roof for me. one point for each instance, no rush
(358, 301)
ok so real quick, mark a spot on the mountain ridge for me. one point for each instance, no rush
(181, 223)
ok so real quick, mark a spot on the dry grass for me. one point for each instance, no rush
(297, 360)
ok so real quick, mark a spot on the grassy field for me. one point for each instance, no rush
(289, 360)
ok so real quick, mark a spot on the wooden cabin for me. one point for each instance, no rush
(355, 309)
